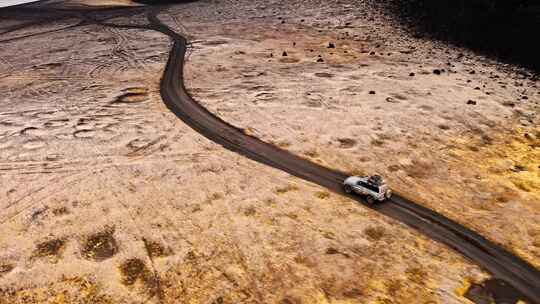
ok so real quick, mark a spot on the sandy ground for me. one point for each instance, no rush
(106, 197)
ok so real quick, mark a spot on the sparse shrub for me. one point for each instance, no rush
(156, 249)
(377, 142)
(286, 189)
(416, 274)
(250, 211)
(5, 268)
(100, 246)
(375, 233)
(322, 194)
(51, 248)
(393, 287)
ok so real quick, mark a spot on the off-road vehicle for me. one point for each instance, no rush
(373, 187)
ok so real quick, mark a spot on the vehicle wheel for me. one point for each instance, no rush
(370, 200)
(348, 189)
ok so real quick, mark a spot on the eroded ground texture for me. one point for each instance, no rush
(107, 197)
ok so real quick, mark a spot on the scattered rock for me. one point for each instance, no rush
(509, 104)
(518, 168)
(52, 157)
(131, 97)
(219, 300)
(372, 92)
(411, 74)
(444, 127)
(331, 45)
(346, 143)
(391, 100)
(284, 54)
(332, 251)
(471, 102)
(394, 168)
(372, 53)
(324, 75)
(437, 72)
(530, 136)
(320, 60)
(26, 130)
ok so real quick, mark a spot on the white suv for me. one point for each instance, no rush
(373, 187)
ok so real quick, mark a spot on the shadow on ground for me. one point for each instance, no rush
(505, 29)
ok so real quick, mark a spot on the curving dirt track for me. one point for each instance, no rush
(501, 263)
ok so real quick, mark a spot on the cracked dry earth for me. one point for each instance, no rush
(106, 197)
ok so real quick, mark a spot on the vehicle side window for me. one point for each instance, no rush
(368, 186)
